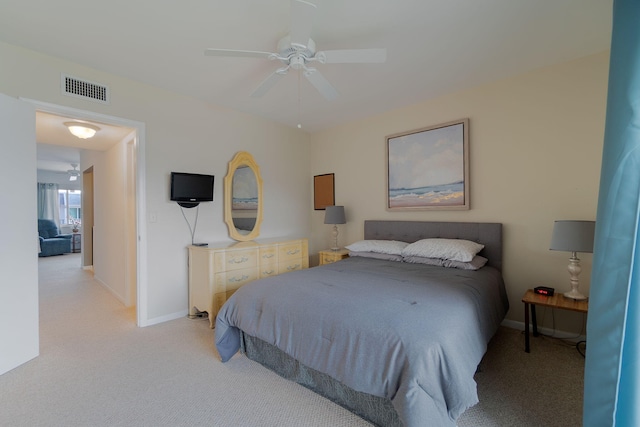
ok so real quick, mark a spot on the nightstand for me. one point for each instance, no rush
(75, 242)
(328, 256)
(558, 300)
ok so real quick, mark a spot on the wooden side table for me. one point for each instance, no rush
(75, 242)
(328, 256)
(558, 300)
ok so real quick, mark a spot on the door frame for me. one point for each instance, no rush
(142, 318)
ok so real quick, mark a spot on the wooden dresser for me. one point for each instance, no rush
(216, 272)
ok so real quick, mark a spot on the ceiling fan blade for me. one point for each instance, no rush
(267, 84)
(237, 53)
(321, 84)
(352, 56)
(302, 13)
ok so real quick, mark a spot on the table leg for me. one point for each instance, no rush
(534, 321)
(526, 328)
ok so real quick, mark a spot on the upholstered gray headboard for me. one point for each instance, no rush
(488, 234)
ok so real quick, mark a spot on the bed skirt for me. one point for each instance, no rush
(374, 409)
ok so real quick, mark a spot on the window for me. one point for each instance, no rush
(70, 206)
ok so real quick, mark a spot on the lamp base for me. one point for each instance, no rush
(575, 294)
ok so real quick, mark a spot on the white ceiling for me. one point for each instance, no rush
(433, 46)
(57, 148)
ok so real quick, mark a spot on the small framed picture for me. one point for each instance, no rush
(323, 191)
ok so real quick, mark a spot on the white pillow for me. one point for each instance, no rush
(391, 247)
(453, 249)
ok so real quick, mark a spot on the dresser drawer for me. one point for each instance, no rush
(266, 270)
(289, 251)
(287, 266)
(235, 260)
(232, 280)
(268, 254)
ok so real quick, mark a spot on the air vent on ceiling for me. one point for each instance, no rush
(72, 86)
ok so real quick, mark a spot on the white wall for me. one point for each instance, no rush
(535, 153)
(182, 134)
(19, 242)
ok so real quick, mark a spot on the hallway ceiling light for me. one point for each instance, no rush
(82, 130)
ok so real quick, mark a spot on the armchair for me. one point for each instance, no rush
(51, 242)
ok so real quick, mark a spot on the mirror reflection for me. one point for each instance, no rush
(243, 197)
(244, 200)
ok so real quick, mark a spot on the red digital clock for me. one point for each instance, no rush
(544, 290)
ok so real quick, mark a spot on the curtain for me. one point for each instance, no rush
(612, 367)
(48, 203)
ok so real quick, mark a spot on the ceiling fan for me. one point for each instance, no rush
(297, 51)
(73, 173)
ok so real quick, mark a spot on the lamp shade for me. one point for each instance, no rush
(573, 236)
(334, 215)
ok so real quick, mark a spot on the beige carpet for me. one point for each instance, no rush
(96, 368)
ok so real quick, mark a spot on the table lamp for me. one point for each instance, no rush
(334, 215)
(573, 236)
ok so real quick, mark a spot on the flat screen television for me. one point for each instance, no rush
(191, 188)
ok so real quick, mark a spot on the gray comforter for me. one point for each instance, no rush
(411, 333)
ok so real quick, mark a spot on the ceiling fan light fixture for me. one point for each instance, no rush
(73, 173)
(297, 51)
(82, 130)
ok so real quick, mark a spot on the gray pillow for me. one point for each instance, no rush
(423, 260)
(475, 264)
(376, 255)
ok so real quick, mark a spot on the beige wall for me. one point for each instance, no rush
(535, 152)
(109, 238)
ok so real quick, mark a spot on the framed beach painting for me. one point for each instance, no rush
(428, 168)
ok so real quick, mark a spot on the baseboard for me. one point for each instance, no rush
(146, 322)
(107, 287)
(165, 318)
(563, 335)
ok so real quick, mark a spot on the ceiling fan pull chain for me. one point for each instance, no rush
(299, 108)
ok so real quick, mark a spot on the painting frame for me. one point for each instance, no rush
(428, 168)
(324, 193)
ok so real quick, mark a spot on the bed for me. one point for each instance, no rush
(395, 342)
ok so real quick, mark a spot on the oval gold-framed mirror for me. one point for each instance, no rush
(243, 197)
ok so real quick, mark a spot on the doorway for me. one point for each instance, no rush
(101, 247)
